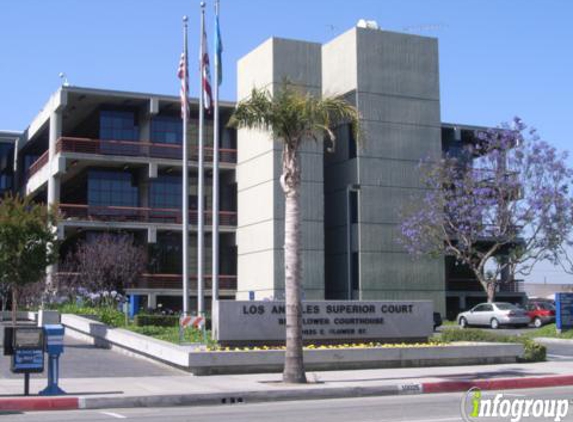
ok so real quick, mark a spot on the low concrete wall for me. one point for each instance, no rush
(103, 336)
(20, 316)
(206, 363)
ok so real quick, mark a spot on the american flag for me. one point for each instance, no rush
(183, 74)
(206, 75)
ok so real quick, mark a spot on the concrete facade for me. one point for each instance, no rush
(393, 80)
(260, 199)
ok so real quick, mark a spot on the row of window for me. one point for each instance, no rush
(113, 188)
(122, 126)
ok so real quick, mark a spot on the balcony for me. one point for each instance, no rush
(175, 281)
(472, 285)
(140, 149)
(139, 214)
(170, 281)
(38, 164)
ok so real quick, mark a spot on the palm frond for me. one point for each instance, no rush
(291, 115)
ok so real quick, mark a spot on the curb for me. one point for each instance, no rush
(550, 340)
(39, 403)
(88, 402)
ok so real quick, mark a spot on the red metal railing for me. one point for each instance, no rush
(139, 214)
(139, 149)
(175, 281)
(38, 164)
(170, 281)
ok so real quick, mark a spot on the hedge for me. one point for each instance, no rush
(533, 351)
(156, 320)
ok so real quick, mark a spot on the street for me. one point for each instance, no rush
(417, 408)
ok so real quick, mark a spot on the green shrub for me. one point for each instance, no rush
(111, 317)
(143, 320)
(533, 352)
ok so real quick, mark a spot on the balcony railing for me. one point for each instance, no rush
(140, 214)
(175, 281)
(169, 281)
(38, 164)
(139, 149)
(472, 285)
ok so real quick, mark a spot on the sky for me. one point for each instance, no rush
(498, 58)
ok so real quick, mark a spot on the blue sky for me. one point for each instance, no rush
(498, 58)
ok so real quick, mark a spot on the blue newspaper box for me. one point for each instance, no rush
(54, 335)
(54, 343)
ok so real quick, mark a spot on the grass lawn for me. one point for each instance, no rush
(171, 334)
(550, 330)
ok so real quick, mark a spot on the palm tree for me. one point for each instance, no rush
(293, 118)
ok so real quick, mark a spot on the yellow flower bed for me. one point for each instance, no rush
(371, 345)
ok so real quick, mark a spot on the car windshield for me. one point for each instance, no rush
(505, 306)
(546, 306)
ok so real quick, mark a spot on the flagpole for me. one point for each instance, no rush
(185, 181)
(215, 227)
(200, 198)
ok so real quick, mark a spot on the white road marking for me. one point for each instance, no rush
(551, 355)
(114, 415)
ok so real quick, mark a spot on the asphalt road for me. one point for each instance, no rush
(418, 408)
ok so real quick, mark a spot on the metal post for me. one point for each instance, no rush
(185, 181)
(215, 224)
(348, 246)
(200, 182)
(26, 383)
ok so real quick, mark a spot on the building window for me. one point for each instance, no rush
(112, 188)
(165, 256)
(351, 143)
(165, 192)
(353, 207)
(167, 130)
(355, 272)
(118, 125)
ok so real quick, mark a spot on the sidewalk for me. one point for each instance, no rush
(173, 390)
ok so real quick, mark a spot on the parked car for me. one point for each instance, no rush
(540, 313)
(437, 320)
(494, 315)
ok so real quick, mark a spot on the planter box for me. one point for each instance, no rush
(206, 363)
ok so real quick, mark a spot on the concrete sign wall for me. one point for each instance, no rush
(260, 321)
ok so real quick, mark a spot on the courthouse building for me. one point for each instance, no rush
(111, 160)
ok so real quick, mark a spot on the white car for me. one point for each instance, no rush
(493, 315)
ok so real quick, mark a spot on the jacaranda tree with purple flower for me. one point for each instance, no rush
(498, 208)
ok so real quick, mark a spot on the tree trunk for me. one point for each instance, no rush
(490, 291)
(14, 304)
(294, 366)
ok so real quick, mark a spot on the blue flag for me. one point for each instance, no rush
(219, 51)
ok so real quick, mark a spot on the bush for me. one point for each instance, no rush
(533, 352)
(109, 316)
(143, 320)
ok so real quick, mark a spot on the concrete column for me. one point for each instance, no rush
(260, 200)
(152, 300)
(53, 196)
(55, 134)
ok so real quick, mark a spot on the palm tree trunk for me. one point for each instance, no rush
(294, 366)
